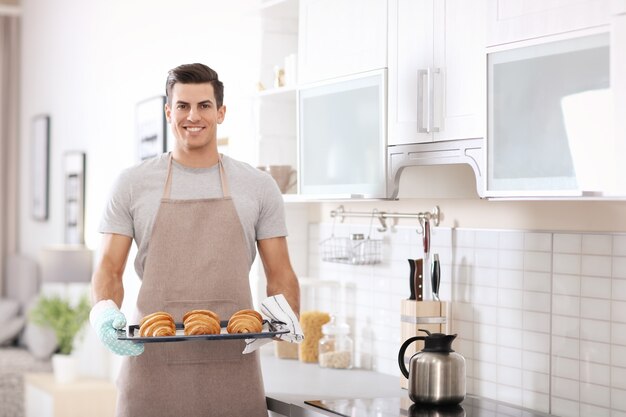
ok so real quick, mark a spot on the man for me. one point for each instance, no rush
(195, 217)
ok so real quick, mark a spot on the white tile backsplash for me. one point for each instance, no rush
(510, 259)
(565, 368)
(512, 240)
(566, 284)
(566, 264)
(595, 373)
(619, 245)
(538, 242)
(618, 291)
(538, 261)
(618, 399)
(595, 330)
(537, 281)
(595, 287)
(567, 243)
(512, 318)
(509, 337)
(511, 376)
(595, 308)
(618, 377)
(594, 395)
(540, 316)
(512, 279)
(597, 266)
(565, 347)
(595, 352)
(597, 244)
(619, 267)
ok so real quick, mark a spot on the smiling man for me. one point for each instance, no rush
(197, 218)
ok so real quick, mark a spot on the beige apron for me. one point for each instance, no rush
(198, 258)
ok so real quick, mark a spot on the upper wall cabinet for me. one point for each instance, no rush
(340, 38)
(512, 21)
(550, 135)
(436, 70)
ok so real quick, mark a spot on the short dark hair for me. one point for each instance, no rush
(194, 74)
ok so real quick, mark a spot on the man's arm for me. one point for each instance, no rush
(281, 279)
(106, 282)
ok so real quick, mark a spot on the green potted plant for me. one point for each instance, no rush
(66, 320)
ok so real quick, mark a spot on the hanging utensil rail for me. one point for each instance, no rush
(382, 216)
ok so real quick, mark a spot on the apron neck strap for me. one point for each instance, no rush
(168, 180)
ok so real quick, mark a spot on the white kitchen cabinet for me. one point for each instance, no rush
(550, 135)
(342, 137)
(436, 70)
(338, 38)
(618, 84)
(511, 21)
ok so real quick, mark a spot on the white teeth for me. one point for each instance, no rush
(194, 129)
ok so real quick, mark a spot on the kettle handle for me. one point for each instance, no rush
(403, 348)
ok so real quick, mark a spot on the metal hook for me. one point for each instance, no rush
(430, 216)
(339, 212)
(381, 219)
(420, 231)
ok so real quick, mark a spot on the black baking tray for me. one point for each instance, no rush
(270, 329)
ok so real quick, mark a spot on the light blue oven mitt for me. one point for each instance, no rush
(106, 319)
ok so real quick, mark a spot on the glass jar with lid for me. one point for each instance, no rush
(335, 347)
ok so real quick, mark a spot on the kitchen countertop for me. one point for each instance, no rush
(289, 382)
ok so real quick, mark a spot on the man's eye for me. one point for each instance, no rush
(206, 106)
(181, 106)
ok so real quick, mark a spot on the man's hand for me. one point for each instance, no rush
(106, 319)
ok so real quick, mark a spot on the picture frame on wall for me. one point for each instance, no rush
(74, 165)
(40, 169)
(151, 127)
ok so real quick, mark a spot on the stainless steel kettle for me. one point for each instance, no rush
(437, 373)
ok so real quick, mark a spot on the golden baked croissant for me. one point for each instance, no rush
(245, 321)
(157, 324)
(207, 312)
(198, 322)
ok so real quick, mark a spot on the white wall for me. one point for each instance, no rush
(88, 63)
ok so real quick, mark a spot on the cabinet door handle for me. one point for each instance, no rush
(431, 108)
(421, 103)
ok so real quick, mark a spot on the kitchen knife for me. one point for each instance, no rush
(426, 238)
(412, 278)
(418, 279)
(435, 276)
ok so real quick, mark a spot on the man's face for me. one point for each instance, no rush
(194, 115)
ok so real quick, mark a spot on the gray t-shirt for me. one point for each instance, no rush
(136, 196)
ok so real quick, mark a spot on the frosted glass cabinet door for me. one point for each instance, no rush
(342, 137)
(550, 118)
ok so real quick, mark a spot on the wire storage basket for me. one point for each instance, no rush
(355, 250)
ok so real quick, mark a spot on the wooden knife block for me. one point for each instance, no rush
(415, 315)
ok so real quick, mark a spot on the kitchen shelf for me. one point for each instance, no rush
(286, 93)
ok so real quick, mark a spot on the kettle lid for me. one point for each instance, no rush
(438, 342)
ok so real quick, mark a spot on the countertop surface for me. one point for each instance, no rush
(289, 383)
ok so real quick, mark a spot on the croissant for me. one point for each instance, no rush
(206, 312)
(157, 324)
(198, 322)
(245, 321)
